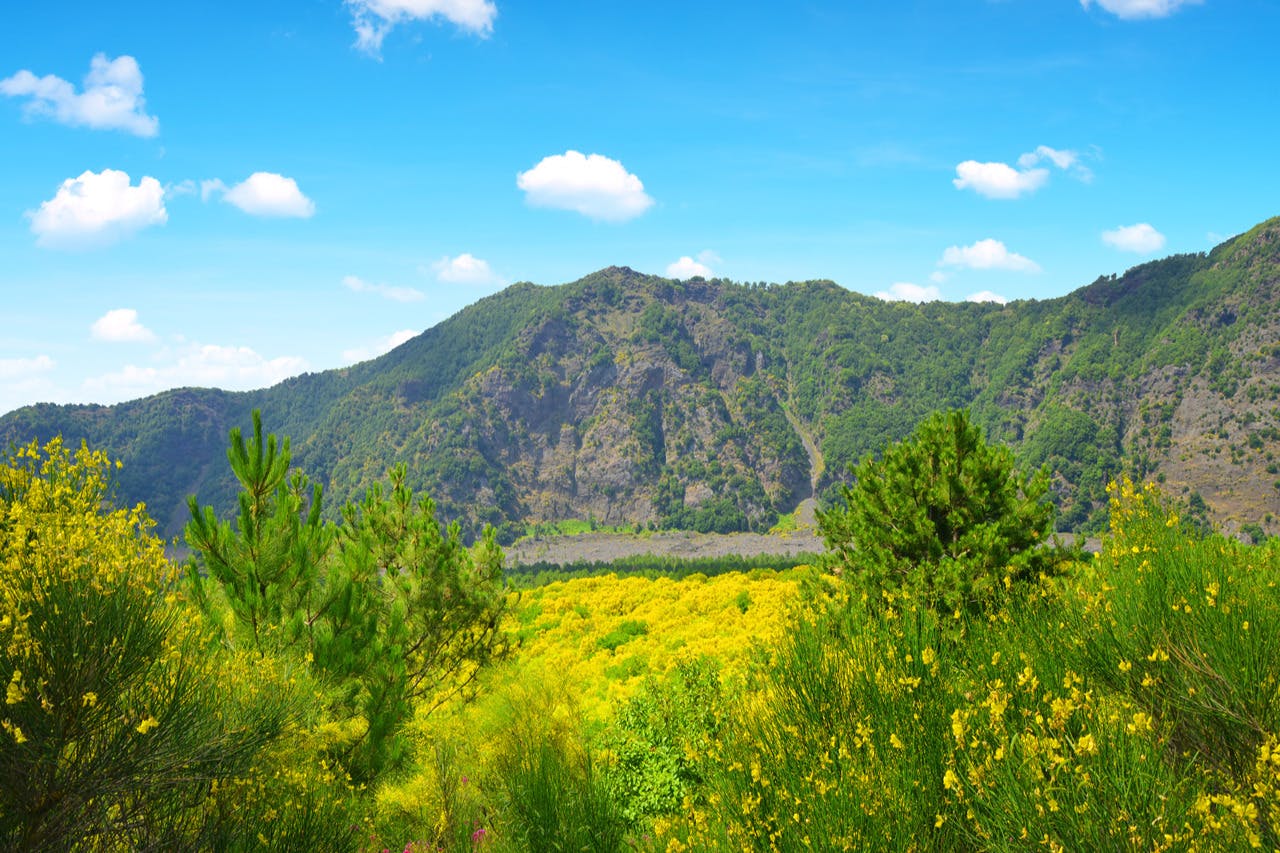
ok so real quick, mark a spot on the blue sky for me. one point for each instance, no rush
(230, 193)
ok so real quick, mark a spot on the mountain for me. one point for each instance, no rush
(714, 405)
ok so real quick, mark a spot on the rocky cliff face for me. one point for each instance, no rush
(633, 399)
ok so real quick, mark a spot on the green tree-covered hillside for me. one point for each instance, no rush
(715, 405)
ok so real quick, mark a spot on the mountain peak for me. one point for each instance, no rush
(640, 399)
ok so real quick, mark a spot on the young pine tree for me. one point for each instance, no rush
(389, 608)
(942, 515)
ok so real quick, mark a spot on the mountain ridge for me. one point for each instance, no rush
(714, 405)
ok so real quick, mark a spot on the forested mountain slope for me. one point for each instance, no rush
(713, 405)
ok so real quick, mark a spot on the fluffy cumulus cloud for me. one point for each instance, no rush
(111, 99)
(986, 296)
(204, 365)
(1002, 181)
(998, 180)
(373, 19)
(905, 291)
(687, 267)
(120, 325)
(592, 185)
(97, 209)
(987, 255)
(1141, 239)
(263, 194)
(386, 291)
(1130, 9)
(378, 347)
(465, 269)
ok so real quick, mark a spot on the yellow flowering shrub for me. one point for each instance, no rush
(120, 719)
(587, 647)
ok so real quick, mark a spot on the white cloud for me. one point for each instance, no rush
(987, 255)
(905, 291)
(386, 291)
(97, 209)
(998, 180)
(465, 269)
(26, 380)
(373, 19)
(211, 187)
(265, 194)
(205, 365)
(1069, 161)
(1131, 9)
(986, 296)
(111, 100)
(1002, 181)
(24, 368)
(1061, 159)
(938, 277)
(687, 267)
(1140, 238)
(187, 187)
(593, 185)
(120, 325)
(378, 347)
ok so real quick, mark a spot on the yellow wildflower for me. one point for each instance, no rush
(15, 694)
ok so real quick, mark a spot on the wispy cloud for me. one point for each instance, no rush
(24, 380)
(207, 365)
(386, 291)
(1132, 9)
(373, 19)
(378, 347)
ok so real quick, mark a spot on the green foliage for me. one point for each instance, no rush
(388, 608)
(626, 631)
(123, 727)
(1130, 704)
(660, 740)
(943, 515)
(1078, 449)
(268, 566)
(476, 399)
(555, 798)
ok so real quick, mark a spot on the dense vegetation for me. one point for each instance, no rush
(710, 405)
(293, 689)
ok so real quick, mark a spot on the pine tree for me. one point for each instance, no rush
(942, 515)
(389, 608)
